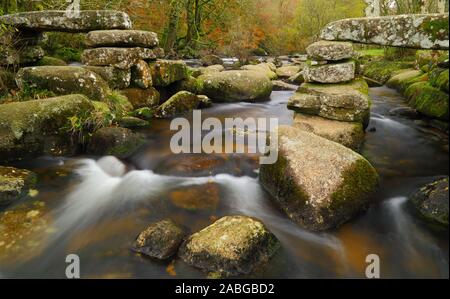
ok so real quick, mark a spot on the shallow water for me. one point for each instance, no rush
(95, 208)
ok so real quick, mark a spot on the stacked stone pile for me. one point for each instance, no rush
(331, 93)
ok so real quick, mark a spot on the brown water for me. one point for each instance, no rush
(98, 217)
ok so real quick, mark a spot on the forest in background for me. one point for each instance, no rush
(239, 28)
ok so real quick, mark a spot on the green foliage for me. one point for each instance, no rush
(28, 93)
(68, 54)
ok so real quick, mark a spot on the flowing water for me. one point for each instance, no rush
(95, 206)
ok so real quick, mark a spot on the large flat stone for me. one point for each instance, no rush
(121, 38)
(63, 80)
(122, 58)
(318, 183)
(349, 134)
(59, 20)
(330, 73)
(330, 51)
(428, 31)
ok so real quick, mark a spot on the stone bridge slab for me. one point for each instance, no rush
(426, 31)
(57, 20)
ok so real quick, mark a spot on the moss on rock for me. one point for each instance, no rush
(382, 71)
(231, 246)
(182, 101)
(36, 127)
(428, 100)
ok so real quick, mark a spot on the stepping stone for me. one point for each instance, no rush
(318, 183)
(330, 73)
(121, 38)
(59, 20)
(343, 102)
(330, 51)
(122, 58)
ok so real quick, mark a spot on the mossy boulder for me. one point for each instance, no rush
(426, 31)
(318, 183)
(50, 61)
(145, 113)
(14, 184)
(402, 80)
(330, 51)
(349, 134)
(432, 201)
(264, 68)
(439, 78)
(231, 246)
(114, 141)
(428, 100)
(234, 86)
(122, 58)
(160, 240)
(141, 98)
(132, 122)
(115, 78)
(32, 128)
(288, 71)
(211, 69)
(330, 73)
(344, 102)
(141, 75)
(59, 20)
(190, 84)
(63, 80)
(121, 38)
(166, 72)
(382, 71)
(181, 102)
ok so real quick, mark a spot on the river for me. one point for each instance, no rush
(98, 217)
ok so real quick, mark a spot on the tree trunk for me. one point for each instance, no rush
(172, 26)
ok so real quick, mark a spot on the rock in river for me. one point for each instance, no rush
(36, 127)
(166, 72)
(115, 141)
(231, 246)
(318, 183)
(14, 184)
(182, 101)
(116, 78)
(121, 38)
(63, 80)
(432, 201)
(160, 240)
(59, 20)
(234, 86)
(141, 98)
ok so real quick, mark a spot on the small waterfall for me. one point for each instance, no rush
(105, 187)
